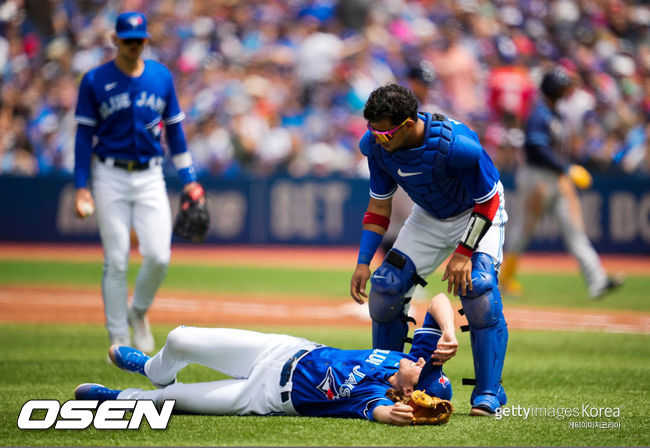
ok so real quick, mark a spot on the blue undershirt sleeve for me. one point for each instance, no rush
(82, 153)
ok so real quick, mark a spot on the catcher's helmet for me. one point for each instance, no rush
(555, 83)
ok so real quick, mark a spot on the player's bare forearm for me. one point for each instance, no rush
(397, 414)
(458, 274)
(358, 283)
(442, 312)
(440, 309)
(383, 207)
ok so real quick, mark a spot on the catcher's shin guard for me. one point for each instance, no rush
(489, 333)
(387, 304)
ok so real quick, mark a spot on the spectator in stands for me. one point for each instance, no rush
(330, 57)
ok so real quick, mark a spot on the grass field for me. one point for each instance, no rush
(545, 371)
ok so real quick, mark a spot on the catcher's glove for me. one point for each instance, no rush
(428, 410)
(193, 219)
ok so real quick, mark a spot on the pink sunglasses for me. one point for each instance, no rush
(386, 136)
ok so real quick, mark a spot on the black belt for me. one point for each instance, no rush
(129, 165)
(288, 367)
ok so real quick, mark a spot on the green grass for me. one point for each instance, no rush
(543, 370)
(554, 290)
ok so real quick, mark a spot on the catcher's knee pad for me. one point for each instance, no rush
(390, 282)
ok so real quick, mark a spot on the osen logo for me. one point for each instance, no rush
(78, 414)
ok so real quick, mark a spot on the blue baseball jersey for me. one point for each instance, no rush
(546, 143)
(127, 113)
(351, 383)
(447, 175)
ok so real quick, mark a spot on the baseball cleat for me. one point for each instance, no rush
(142, 337)
(93, 391)
(485, 405)
(132, 360)
(611, 284)
(128, 358)
(118, 340)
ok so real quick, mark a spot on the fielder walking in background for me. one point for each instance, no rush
(285, 375)
(121, 110)
(459, 210)
(547, 183)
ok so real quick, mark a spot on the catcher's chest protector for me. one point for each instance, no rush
(433, 188)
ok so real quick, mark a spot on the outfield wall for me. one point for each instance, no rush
(311, 211)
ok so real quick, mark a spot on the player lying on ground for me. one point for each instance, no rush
(285, 375)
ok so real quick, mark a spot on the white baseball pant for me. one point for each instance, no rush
(126, 199)
(571, 227)
(254, 360)
(428, 241)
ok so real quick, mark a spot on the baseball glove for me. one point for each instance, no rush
(193, 219)
(580, 176)
(428, 410)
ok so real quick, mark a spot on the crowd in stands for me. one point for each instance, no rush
(278, 86)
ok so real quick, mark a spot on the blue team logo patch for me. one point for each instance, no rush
(135, 21)
(444, 381)
(328, 386)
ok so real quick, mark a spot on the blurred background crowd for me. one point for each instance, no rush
(279, 86)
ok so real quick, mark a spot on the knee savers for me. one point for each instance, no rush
(390, 282)
(482, 305)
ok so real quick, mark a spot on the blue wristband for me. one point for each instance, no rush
(187, 175)
(369, 243)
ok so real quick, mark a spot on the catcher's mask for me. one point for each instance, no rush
(434, 382)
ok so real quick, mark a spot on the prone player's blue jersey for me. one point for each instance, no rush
(128, 113)
(351, 383)
(447, 175)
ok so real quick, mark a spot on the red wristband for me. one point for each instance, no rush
(464, 251)
(375, 218)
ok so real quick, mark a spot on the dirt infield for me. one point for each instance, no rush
(60, 304)
(84, 305)
(295, 257)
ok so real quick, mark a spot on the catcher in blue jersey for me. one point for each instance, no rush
(285, 375)
(122, 108)
(459, 211)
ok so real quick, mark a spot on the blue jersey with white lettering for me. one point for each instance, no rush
(448, 174)
(128, 113)
(330, 382)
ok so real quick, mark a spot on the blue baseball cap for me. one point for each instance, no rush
(434, 382)
(131, 25)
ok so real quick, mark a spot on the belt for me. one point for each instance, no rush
(287, 370)
(131, 165)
